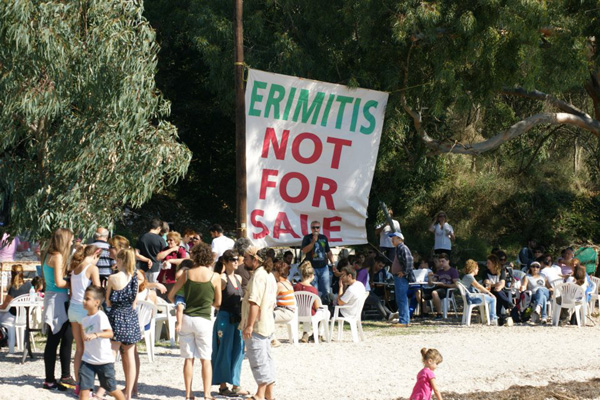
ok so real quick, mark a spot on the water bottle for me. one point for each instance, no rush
(32, 294)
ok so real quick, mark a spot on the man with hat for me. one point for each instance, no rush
(402, 270)
(258, 323)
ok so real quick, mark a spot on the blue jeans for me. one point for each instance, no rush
(540, 298)
(401, 292)
(491, 302)
(322, 283)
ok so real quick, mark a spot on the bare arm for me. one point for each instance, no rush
(161, 256)
(108, 334)
(56, 263)
(308, 248)
(7, 300)
(178, 285)
(141, 258)
(481, 289)
(95, 276)
(109, 285)
(340, 293)
(435, 389)
(524, 284)
(500, 285)
(252, 315)
(216, 281)
(330, 257)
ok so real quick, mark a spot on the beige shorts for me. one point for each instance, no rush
(195, 338)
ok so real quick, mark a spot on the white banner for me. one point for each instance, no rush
(311, 149)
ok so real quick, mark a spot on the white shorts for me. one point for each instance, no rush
(195, 338)
(76, 312)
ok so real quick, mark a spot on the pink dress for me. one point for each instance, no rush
(422, 389)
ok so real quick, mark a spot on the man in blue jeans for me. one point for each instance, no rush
(316, 248)
(402, 270)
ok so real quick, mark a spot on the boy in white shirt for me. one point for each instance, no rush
(98, 358)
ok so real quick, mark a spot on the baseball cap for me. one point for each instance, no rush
(253, 251)
(397, 234)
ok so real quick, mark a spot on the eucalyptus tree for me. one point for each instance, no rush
(83, 127)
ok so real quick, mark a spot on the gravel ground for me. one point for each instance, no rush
(478, 361)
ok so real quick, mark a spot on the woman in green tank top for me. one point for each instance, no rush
(202, 291)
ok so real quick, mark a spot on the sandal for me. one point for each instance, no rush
(226, 392)
(238, 391)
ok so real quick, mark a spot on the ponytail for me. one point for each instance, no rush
(80, 254)
(127, 257)
(431, 354)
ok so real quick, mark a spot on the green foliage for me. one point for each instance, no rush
(83, 124)
(462, 55)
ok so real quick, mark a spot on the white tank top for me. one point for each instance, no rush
(79, 282)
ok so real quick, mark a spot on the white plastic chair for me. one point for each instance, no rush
(16, 329)
(354, 322)
(595, 292)
(468, 307)
(146, 314)
(572, 299)
(304, 306)
(449, 301)
(292, 327)
(165, 314)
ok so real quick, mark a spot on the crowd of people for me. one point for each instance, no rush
(228, 296)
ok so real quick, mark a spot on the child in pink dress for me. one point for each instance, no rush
(426, 378)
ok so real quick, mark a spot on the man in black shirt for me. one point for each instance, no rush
(148, 246)
(316, 248)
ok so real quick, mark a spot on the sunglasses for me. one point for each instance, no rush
(315, 227)
(235, 258)
(195, 239)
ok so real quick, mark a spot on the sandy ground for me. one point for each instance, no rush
(476, 358)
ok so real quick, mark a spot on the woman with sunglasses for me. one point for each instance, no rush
(535, 282)
(228, 346)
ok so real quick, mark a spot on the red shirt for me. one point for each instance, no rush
(168, 275)
(299, 287)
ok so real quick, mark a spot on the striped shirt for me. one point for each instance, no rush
(285, 298)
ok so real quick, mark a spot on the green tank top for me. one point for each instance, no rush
(199, 297)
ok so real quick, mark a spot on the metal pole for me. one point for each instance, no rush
(240, 120)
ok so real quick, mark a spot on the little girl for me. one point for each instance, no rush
(426, 378)
(84, 273)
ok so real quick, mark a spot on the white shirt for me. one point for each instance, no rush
(534, 284)
(97, 351)
(442, 239)
(294, 274)
(422, 275)
(552, 273)
(221, 244)
(350, 297)
(384, 240)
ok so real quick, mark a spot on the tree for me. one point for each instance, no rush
(467, 70)
(83, 123)
(473, 58)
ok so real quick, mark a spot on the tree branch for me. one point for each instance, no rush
(521, 127)
(537, 95)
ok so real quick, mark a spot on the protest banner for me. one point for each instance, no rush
(311, 149)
